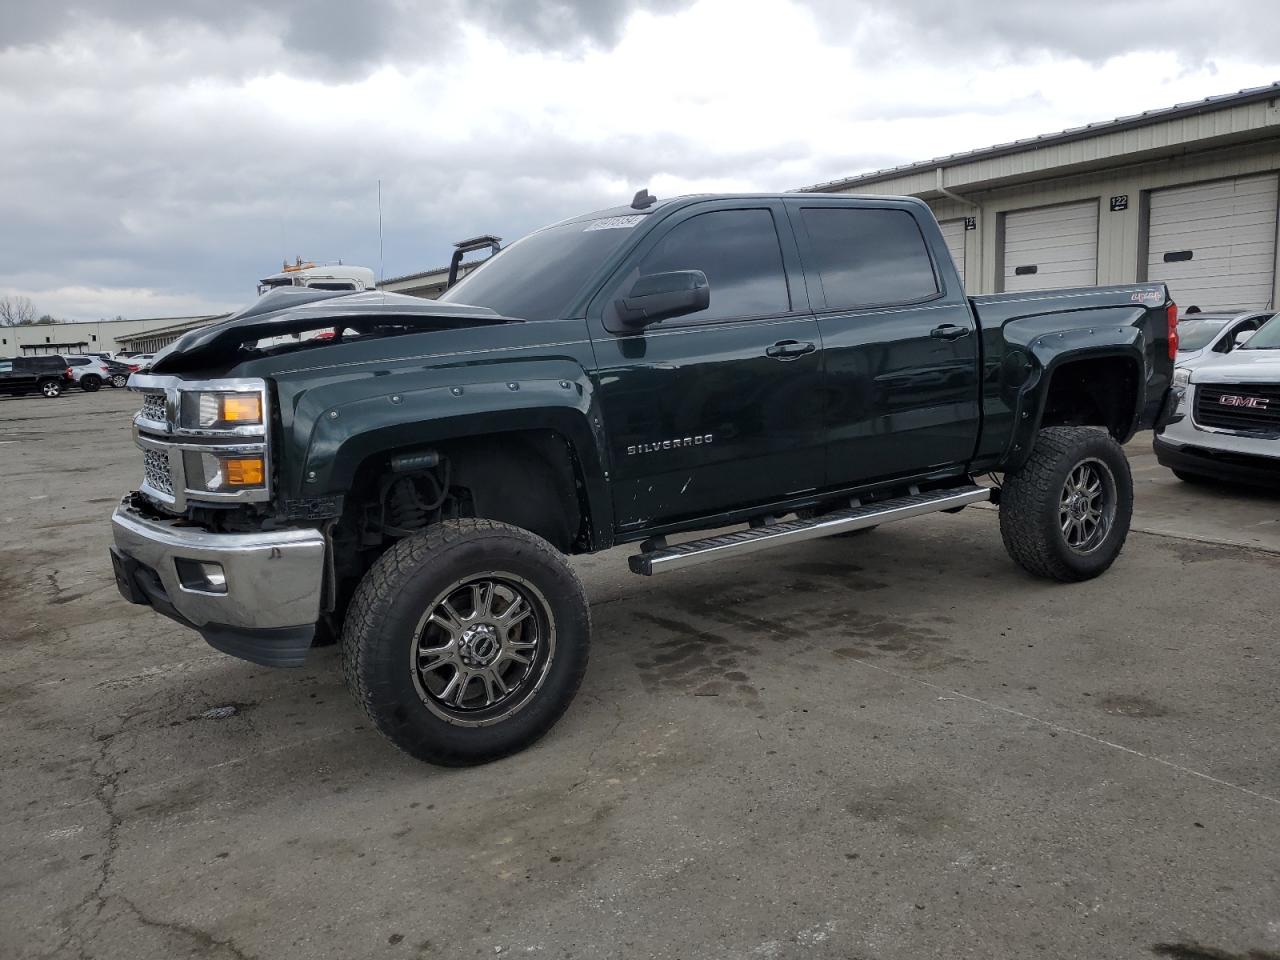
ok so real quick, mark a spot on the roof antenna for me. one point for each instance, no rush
(382, 273)
(643, 199)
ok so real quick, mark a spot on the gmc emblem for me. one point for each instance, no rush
(1256, 403)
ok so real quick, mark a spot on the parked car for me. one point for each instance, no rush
(1204, 336)
(797, 365)
(1226, 424)
(88, 373)
(46, 375)
(141, 362)
(118, 373)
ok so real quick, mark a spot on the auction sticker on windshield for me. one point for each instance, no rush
(614, 223)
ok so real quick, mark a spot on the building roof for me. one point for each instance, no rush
(423, 274)
(1147, 117)
(180, 325)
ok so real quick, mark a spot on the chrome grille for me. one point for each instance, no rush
(153, 407)
(155, 471)
(1243, 407)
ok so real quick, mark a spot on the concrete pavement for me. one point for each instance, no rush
(893, 746)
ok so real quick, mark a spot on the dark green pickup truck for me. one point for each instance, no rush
(413, 479)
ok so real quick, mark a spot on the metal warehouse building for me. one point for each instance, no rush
(1186, 195)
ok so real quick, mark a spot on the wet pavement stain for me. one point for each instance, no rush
(1196, 951)
(911, 808)
(914, 646)
(696, 661)
(1131, 706)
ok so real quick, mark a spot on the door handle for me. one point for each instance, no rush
(790, 349)
(949, 331)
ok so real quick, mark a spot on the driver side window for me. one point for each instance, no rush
(739, 252)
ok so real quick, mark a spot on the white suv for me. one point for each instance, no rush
(88, 373)
(1226, 424)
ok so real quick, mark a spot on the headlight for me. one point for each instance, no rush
(1181, 376)
(218, 473)
(222, 410)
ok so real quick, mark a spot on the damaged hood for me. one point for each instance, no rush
(289, 310)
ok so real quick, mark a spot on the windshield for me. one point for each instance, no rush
(538, 277)
(1267, 337)
(1196, 334)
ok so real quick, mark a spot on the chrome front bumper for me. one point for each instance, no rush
(274, 582)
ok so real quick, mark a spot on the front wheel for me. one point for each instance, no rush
(466, 642)
(1065, 515)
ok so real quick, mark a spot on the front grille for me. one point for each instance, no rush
(153, 407)
(1248, 407)
(155, 471)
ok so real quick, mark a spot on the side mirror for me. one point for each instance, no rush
(662, 295)
(1244, 335)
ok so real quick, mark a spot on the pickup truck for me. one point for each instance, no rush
(703, 377)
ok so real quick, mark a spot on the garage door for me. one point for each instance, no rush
(1051, 247)
(953, 235)
(1214, 244)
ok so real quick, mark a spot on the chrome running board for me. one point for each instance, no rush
(741, 542)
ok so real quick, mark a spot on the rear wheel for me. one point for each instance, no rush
(119, 379)
(51, 388)
(90, 383)
(1065, 515)
(467, 642)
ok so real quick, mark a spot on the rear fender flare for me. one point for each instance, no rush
(1048, 352)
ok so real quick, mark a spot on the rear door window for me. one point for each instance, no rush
(869, 258)
(739, 252)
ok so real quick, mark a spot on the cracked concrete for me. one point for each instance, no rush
(894, 746)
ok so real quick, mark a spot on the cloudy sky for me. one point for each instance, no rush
(161, 155)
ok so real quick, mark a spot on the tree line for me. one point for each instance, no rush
(21, 312)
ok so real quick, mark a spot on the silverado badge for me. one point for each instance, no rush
(698, 441)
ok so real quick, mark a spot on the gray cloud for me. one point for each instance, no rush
(337, 38)
(114, 192)
(332, 39)
(1092, 30)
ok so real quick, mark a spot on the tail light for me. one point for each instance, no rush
(1172, 314)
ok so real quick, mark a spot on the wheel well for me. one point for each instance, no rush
(530, 479)
(1094, 392)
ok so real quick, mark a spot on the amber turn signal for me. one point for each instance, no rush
(244, 472)
(242, 408)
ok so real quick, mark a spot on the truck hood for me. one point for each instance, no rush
(300, 310)
(1240, 366)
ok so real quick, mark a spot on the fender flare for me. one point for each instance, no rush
(1048, 352)
(347, 434)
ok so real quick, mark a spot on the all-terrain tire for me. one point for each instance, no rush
(1035, 502)
(383, 640)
